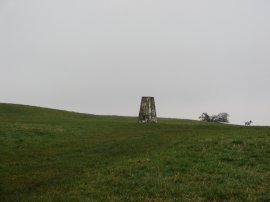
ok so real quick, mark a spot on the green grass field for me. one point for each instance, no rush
(53, 155)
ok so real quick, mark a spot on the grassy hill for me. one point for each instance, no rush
(53, 155)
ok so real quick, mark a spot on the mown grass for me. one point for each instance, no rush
(52, 155)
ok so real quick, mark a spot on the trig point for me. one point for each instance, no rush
(148, 110)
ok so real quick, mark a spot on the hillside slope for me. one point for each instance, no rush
(53, 155)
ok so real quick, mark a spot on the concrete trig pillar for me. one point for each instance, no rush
(148, 110)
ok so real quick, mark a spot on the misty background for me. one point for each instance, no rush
(101, 56)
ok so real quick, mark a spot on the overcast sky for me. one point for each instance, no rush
(101, 56)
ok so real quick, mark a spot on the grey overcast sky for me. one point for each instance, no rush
(101, 56)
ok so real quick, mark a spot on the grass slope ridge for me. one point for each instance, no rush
(53, 155)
